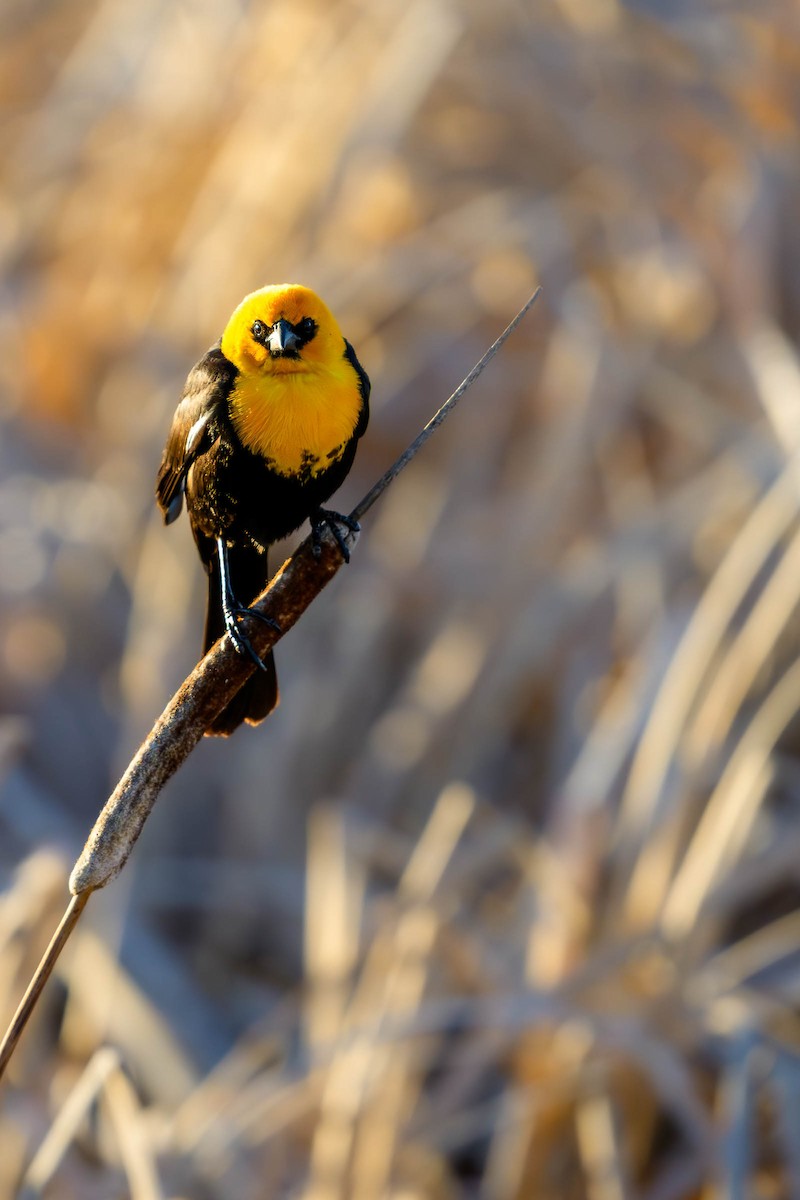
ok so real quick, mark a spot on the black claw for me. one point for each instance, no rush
(241, 643)
(253, 612)
(233, 611)
(326, 516)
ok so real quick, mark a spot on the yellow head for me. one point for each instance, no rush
(297, 398)
(283, 329)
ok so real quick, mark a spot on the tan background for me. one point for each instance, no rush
(503, 902)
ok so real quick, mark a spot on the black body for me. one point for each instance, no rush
(233, 494)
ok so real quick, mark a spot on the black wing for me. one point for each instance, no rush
(364, 385)
(194, 427)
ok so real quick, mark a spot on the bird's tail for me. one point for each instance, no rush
(256, 699)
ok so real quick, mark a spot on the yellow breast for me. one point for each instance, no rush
(300, 421)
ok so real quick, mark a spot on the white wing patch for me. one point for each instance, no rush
(194, 433)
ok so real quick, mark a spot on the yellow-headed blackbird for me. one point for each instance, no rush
(265, 432)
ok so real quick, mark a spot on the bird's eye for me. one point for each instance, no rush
(258, 331)
(307, 325)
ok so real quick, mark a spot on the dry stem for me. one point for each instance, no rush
(204, 694)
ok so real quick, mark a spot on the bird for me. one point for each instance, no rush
(264, 433)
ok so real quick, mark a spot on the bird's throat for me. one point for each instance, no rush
(300, 422)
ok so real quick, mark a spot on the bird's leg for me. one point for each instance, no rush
(326, 516)
(233, 611)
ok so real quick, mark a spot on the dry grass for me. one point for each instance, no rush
(504, 902)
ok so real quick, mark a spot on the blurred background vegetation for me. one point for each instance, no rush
(504, 902)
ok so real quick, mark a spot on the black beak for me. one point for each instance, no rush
(282, 340)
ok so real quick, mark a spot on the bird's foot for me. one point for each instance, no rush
(241, 643)
(326, 517)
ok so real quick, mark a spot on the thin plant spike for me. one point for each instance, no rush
(204, 694)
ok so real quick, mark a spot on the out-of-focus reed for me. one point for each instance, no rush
(503, 902)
